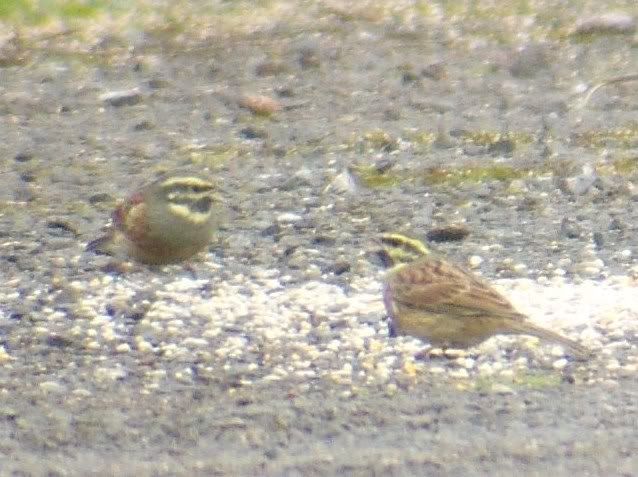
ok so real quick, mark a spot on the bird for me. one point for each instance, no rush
(432, 299)
(166, 221)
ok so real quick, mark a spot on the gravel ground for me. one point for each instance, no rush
(269, 354)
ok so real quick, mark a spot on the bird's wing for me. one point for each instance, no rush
(440, 287)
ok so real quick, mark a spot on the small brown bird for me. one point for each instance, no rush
(448, 306)
(166, 221)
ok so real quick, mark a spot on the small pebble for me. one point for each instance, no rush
(260, 105)
(475, 261)
(122, 98)
(610, 23)
(52, 387)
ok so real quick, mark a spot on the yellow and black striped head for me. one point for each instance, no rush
(397, 249)
(188, 198)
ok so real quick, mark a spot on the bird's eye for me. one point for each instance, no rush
(202, 205)
(197, 188)
(386, 258)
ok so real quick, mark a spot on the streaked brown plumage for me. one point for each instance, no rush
(447, 305)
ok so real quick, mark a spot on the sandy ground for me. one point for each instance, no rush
(269, 353)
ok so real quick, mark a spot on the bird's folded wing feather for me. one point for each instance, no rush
(448, 289)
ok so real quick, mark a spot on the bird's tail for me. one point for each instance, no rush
(525, 327)
(104, 245)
